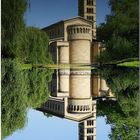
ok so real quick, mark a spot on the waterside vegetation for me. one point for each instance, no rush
(22, 88)
(120, 32)
(123, 113)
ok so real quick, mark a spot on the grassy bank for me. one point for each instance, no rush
(129, 62)
(58, 66)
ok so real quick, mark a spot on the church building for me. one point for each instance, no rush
(73, 41)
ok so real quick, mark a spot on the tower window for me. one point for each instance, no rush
(90, 2)
(90, 122)
(90, 18)
(90, 130)
(90, 138)
(90, 10)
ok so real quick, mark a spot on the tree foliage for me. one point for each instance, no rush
(123, 113)
(21, 89)
(12, 22)
(32, 47)
(28, 45)
(121, 30)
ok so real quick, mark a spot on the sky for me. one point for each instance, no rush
(39, 127)
(46, 12)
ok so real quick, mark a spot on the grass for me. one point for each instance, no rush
(26, 66)
(58, 66)
(127, 60)
(129, 64)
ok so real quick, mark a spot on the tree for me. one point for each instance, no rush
(123, 113)
(28, 45)
(21, 89)
(31, 46)
(120, 31)
(12, 22)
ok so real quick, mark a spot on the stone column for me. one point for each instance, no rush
(63, 82)
(79, 37)
(80, 100)
(95, 85)
(63, 55)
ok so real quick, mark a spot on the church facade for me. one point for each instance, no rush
(73, 41)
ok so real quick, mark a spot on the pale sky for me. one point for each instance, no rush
(45, 12)
(39, 127)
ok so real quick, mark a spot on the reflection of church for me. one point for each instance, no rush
(73, 96)
(74, 91)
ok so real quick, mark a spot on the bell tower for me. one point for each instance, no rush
(87, 9)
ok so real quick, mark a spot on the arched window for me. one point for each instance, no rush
(80, 30)
(77, 30)
(84, 108)
(78, 108)
(75, 108)
(74, 30)
(90, 2)
(84, 30)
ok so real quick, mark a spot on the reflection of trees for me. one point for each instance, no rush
(21, 45)
(48, 115)
(21, 89)
(122, 114)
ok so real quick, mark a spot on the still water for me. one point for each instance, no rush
(40, 127)
(70, 104)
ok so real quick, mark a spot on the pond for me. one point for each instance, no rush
(74, 103)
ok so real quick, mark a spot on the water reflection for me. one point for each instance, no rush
(21, 89)
(80, 95)
(123, 114)
(74, 95)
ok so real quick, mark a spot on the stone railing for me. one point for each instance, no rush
(83, 32)
(79, 105)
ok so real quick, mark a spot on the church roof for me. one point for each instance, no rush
(67, 20)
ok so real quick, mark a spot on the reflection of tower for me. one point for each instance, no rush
(79, 37)
(87, 128)
(87, 9)
(80, 100)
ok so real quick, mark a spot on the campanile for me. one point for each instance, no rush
(87, 9)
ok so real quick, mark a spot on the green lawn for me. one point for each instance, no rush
(129, 64)
(59, 66)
